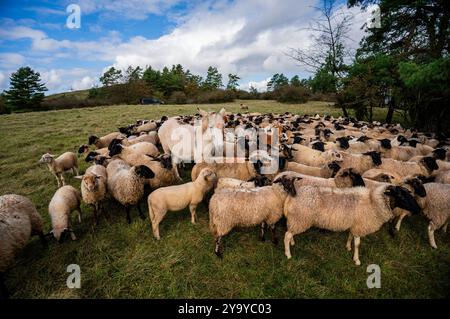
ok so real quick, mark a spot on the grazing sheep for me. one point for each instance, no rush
(141, 148)
(424, 167)
(243, 171)
(178, 197)
(434, 199)
(361, 162)
(126, 184)
(104, 141)
(230, 208)
(19, 220)
(57, 166)
(228, 182)
(384, 176)
(65, 200)
(307, 156)
(94, 187)
(360, 210)
(326, 171)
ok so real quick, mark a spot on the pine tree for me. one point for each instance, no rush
(26, 92)
(233, 80)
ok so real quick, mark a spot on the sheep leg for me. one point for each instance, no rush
(287, 241)
(75, 170)
(127, 211)
(292, 241)
(72, 235)
(431, 229)
(57, 180)
(193, 208)
(62, 179)
(444, 228)
(261, 233)
(96, 206)
(356, 243)
(43, 240)
(273, 234)
(219, 247)
(349, 242)
(3, 291)
(399, 221)
(79, 214)
(141, 214)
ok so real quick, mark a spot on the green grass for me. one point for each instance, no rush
(121, 260)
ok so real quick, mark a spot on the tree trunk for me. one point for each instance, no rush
(390, 112)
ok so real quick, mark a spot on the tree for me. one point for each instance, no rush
(132, 74)
(111, 77)
(277, 81)
(213, 79)
(416, 35)
(233, 80)
(26, 90)
(327, 52)
(253, 90)
(295, 81)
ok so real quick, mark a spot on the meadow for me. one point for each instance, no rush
(118, 260)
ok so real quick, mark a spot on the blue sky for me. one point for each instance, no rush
(247, 37)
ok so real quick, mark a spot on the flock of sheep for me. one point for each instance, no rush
(337, 174)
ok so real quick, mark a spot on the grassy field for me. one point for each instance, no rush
(118, 260)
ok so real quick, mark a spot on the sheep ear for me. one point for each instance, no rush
(203, 113)
(79, 176)
(222, 112)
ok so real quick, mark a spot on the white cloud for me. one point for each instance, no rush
(3, 80)
(11, 60)
(58, 80)
(261, 86)
(247, 37)
(85, 83)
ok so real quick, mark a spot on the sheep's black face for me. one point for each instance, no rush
(115, 148)
(376, 157)
(298, 139)
(327, 132)
(338, 127)
(401, 139)
(261, 181)
(335, 167)
(357, 179)
(82, 149)
(417, 185)
(287, 151)
(92, 139)
(144, 171)
(363, 138)
(413, 143)
(318, 146)
(403, 199)
(385, 143)
(343, 142)
(440, 153)
(430, 163)
(91, 156)
(288, 184)
(257, 165)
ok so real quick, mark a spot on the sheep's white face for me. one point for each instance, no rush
(90, 182)
(335, 156)
(46, 158)
(208, 175)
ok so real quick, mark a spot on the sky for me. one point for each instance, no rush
(246, 37)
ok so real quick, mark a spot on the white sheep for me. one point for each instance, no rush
(94, 188)
(178, 197)
(228, 182)
(230, 208)
(360, 210)
(307, 156)
(104, 141)
(57, 166)
(19, 220)
(65, 200)
(126, 184)
(326, 171)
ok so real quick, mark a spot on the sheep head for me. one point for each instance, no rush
(429, 163)
(376, 157)
(92, 139)
(288, 184)
(402, 198)
(47, 158)
(417, 186)
(144, 172)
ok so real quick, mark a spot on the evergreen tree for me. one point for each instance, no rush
(26, 92)
(111, 77)
(233, 80)
(213, 79)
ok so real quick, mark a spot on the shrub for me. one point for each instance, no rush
(3, 107)
(177, 97)
(216, 96)
(292, 94)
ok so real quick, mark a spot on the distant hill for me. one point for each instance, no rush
(80, 95)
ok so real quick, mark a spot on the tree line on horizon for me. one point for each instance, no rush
(401, 64)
